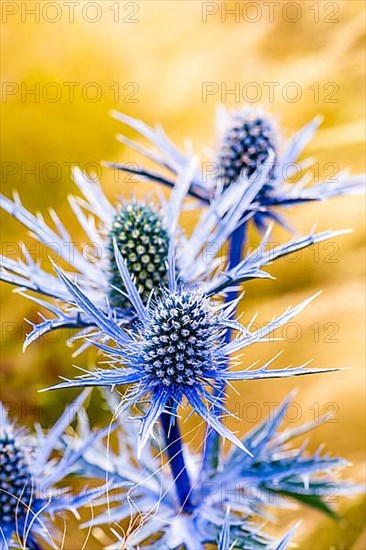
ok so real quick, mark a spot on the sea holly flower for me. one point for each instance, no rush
(143, 233)
(139, 228)
(29, 472)
(177, 351)
(247, 139)
(224, 503)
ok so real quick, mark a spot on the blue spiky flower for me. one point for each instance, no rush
(178, 345)
(246, 144)
(178, 351)
(15, 477)
(28, 495)
(140, 229)
(248, 137)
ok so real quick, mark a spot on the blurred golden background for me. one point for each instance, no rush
(153, 60)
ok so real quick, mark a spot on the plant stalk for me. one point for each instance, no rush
(174, 450)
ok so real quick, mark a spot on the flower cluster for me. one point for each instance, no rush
(160, 306)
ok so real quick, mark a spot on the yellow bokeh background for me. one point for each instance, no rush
(153, 60)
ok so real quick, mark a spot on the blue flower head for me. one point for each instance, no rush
(178, 350)
(179, 343)
(28, 495)
(141, 230)
(15, 476)
(248, 139)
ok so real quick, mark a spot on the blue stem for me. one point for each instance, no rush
(173, 440)
(212, 448)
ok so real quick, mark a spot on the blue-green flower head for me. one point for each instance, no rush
(142, 239)
(178, 345)
(247, 140)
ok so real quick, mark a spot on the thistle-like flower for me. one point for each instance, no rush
(28, 494)
(247, 138)
(177, 350)
(143, 234)
(246, 144)
(16, 479)
(139, 228)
